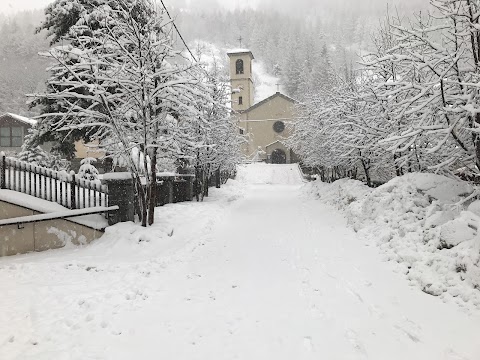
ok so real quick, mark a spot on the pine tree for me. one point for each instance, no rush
(33, 153)
(139, 99)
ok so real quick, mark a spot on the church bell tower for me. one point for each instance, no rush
(241, 79)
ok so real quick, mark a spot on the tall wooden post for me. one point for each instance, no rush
(73, 203)
(3, 164)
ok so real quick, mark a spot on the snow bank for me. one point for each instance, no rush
(173, 228)
(419, 224)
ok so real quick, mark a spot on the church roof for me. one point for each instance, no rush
(288, 98)
(273, 143)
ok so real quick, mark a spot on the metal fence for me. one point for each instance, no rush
(66, 189)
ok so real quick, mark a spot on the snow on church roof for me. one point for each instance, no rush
(264, 101)
(22, 119)
(240, 51)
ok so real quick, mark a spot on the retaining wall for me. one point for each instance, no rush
(40, 236)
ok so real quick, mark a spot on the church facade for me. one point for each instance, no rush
(266, 124)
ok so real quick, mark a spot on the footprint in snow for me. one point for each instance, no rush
(352, 337)
(316, 312)
(307, 343)
(452, 355)
(409, 329)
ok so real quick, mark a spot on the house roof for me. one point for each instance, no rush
(288, 98)
(21, 118)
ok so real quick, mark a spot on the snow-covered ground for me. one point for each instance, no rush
(259, 173)
(426, 225)
(258, 271)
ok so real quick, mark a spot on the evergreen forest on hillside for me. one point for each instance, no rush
(301, 50)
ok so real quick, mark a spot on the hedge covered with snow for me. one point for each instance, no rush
(426, 224)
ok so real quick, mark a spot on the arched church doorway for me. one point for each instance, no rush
(279, 157)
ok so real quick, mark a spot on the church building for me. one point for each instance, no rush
(265, 123)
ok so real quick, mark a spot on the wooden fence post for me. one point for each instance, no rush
(73, 203)
(3, 164)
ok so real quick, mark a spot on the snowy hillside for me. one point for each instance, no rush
(419, 224)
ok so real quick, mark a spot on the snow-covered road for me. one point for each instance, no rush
(271, 275)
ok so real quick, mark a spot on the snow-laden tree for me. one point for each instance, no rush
(60, 17)
(413, 106)
(33, 153)
(433, 97)
(338, 130)
(216, 136)
(123, 81)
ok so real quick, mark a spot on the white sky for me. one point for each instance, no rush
(10, 6)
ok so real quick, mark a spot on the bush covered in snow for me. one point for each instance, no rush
(426, 224)
(87, 170)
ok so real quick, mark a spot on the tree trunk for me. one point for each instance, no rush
(206, 183)
(218, 180)
(397, 169)
(141, 200)
(208, 178)
(153, 189)
(367, 173)
(196, 185)
(199, 183)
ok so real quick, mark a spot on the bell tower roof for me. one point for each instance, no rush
(237, 52)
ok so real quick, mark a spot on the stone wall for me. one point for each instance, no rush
(40, 236)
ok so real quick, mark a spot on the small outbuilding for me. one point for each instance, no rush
(13, 129)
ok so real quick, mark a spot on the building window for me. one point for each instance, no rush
(278, 127)
(240, 100)
(239, 66)
(11, 136)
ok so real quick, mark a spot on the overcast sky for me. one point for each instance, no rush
(10, 6)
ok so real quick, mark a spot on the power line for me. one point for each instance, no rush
(178, 32)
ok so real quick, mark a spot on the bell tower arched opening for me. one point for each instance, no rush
(239, 66)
